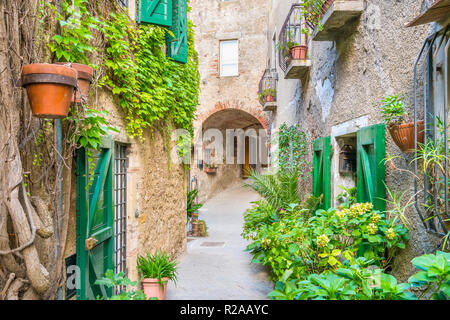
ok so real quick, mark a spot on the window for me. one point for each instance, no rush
(120, 210)
(229, 58)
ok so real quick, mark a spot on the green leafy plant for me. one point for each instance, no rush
(129, 292)
(393, 109)
(267, 92)
(347, 197)
(75, 32)
(157, 266)
(192, 207)
(293, 150)
(434, 276)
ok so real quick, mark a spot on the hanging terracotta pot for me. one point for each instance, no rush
(50, 89)
(299, 52)
(84, 81)
(403, 135)
(270, 98)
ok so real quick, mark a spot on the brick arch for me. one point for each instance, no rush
(256, 112)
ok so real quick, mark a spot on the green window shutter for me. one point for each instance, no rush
(322, 171)
(371, 171)
(95, 212)
(177, 45)
(157, 12)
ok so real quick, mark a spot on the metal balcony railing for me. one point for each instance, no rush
(315, 10)
(294, 38)
(268, 86)
(431, 94)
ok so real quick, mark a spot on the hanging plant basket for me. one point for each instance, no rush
(50, 89)
(299, 52)
(403, 135)
(84, 80)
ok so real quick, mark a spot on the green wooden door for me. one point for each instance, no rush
(95, 221)
(177, 46)
(157, 12)
(322, 171)
(371, 172)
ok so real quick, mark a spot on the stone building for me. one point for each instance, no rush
(136, 204)
(230, 37)
(360, 53)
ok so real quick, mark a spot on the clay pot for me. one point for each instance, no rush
(210, 170)
(403, 135)
(299, 52)
(84, 80)
(153, 289)
(195, 228)
(50, 89)
(270, 98)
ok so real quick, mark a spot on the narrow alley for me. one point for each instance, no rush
(217, 267)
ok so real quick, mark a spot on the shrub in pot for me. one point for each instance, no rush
(156, 271)
(393, 111)
(50, 88)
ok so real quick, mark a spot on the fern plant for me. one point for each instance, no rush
(157, 266)
(280, 189)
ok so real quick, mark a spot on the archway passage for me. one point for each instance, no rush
(233, 142)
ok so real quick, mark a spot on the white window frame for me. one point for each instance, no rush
(229, 61)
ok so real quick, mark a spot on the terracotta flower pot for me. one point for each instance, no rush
(270, 98)
(50, 89)
(299, 52)
(210, 170)
(84, 80)
(153, 289)
(403, 135)
(195, 228)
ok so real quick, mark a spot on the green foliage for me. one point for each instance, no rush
(111, 280)
(293, 149)
(434, 276)
(76, 23)
(393, 109)
(279, 190)
(149, 86)
(267, 92)
(296, 243)
(192, 207)
(157, 266)
(313, 10)
(347, 197)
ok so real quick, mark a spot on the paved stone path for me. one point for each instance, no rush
(221, 272)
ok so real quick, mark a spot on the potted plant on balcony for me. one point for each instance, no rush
(50, 88)
(268, 95)
(156, 271)
(393, 111)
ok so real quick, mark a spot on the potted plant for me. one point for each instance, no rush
(156, 271)
(84, 80)
(210, 168)
(393, 112)
(50, 88)
(269, 94)
(199, 228)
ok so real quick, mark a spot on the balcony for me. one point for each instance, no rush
(294, 44)
(331, 18)
(268, 90)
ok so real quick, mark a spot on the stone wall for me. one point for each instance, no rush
(373, 58)
(156, 191)
(216, 20)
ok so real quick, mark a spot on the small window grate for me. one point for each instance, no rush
(431, 94)
(120, 210)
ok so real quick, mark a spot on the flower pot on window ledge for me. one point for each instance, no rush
(299, 52)
(84, 80)
(403, 135)
(270, 98)
(50, 89)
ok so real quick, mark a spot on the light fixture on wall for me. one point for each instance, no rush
(347, 159)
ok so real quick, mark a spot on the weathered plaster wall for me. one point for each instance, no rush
(347, 80)
(216, 20)
(156, 191)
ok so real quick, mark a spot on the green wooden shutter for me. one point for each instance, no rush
(322, 171)
(157, 12)
(371, 171)
(95, 221)
(177, 46)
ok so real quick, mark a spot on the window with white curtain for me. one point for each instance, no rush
(229, 58)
